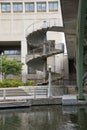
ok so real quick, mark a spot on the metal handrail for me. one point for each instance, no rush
(39, 24)
(49, 51)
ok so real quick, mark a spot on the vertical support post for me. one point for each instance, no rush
(44, 62)
(49, 85)
(23, 60)
(44, 69)
(1, 73)
(4, 94)
(44, 48)
(44, 51)
(34, 92)
(80, 41)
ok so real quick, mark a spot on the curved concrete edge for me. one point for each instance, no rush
(65, 100)
(30, 102)
(13, 104)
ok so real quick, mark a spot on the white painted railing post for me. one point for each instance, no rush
(4, 94)
(34, 92)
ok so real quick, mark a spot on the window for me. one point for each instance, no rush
(5, 7)
(12, 52)
(29, 7)
(17, 7)
(53, 6)
(41, 7)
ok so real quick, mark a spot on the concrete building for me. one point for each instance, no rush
(25, 26)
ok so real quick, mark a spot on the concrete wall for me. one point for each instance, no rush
(14, 26)
(59, 61)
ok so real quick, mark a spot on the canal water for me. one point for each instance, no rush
(44, 118)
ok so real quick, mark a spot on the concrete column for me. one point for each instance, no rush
(45, 69)
(47, 8)
(49, 86)
(1, 74)
(44, 48)
(35, 7)
(0, 7)
(11, 7)
(65, 66)
(23, 60)
(44, 63)
(23, 7)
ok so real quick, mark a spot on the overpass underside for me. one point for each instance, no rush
(75, 21)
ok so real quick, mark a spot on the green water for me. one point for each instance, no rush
(44, 118)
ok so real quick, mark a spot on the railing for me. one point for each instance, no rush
(42, 91)
(40, 24)
(12, 93)
(35, 91)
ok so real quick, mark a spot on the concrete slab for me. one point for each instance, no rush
(26, 101)
(69, 100)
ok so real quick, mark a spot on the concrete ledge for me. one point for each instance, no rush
(65, 100)
(30, 102)
(69, 100)
(46, 101)
(84, 102)
(14, 104)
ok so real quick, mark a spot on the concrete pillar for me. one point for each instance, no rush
(49, 86)
(44, 63)
(35, 7)
(0, 8)
(65, 66)
(23, 7)
(23, 60)
(45, 69)
(44, 48)
(47, 7)
(11, 7)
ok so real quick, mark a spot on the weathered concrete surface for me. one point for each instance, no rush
(69, 100)
(47, 101)
(27, 101)
(14, 104)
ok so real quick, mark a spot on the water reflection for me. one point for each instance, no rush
(82, 119)
(44, 118)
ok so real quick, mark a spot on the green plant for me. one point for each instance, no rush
(31, 83)
(1, 85)
(16, 83)
(9, 66)
(11, 83)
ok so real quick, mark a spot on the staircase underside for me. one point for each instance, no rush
(70, 18)
(42, 56)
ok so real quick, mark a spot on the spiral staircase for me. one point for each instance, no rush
(40, 50)
(38, 29)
